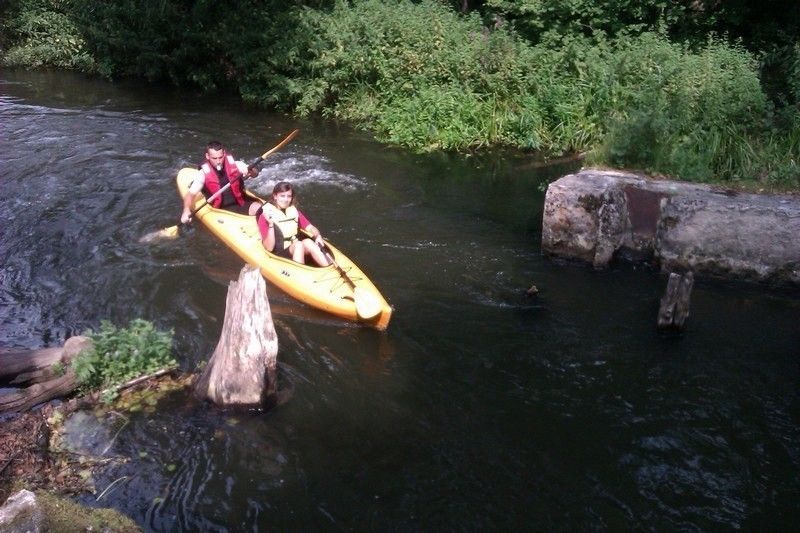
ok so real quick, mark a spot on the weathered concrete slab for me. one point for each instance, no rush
(745, 236)
(598, 215)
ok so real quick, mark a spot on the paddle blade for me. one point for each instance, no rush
(171, 232)
(367, 306)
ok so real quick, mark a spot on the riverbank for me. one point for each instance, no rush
(425, 77)
(44, 452)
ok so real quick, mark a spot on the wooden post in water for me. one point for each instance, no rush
(242, 370)
(674, 306)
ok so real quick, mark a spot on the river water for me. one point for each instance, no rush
(478, 408)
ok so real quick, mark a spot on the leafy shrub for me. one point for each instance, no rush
(421, 76)
(761, 27)
(793, 71)
(120, 354)
(168, 40)
(536, 18)
(42, 33)
(592, 76)
(378, 63)
(681, 112)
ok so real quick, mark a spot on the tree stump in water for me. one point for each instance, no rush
(674, 306)
(242, 369)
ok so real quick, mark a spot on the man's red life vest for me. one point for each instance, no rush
(212, 182)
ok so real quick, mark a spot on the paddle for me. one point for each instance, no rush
(173, 231)
(367, 306)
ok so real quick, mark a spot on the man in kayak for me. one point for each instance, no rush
(218, 170)
(279, 223)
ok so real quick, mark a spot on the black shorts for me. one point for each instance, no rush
(283, 252)
(279, 245)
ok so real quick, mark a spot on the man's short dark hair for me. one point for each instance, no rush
(214, 145)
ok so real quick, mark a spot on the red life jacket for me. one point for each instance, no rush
(212, 182)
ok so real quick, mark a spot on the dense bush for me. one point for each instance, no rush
(180, 41)
(421, 76)
(590, 76)
(680, 112)
(42, 33)
(769, 30)
(538, 20)
(377, 64)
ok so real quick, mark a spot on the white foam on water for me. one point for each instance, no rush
(420, 245)
(301, 171)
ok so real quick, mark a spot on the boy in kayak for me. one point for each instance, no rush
(279, 222)
(217, 171)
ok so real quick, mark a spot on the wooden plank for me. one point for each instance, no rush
(674, 307)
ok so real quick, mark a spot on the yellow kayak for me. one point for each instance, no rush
(341, 289)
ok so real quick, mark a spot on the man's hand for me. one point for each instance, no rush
(186, 216)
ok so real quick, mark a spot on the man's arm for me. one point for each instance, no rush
(246, 171)
(267, 229)
(190, 197)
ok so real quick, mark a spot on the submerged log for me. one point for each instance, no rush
(674, 306)
(29, 367)
(22, 367)
(242, 370)
(24, 399)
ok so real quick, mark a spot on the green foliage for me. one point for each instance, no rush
(420, 76)
(793, 73)
(636, 83)
(680, 112)
(540, 20)
(120, 354)
(378, 64)
(59, 368)
(42, 33)
(759, 24)
(180, 41)
(769, 30)
(775, 157)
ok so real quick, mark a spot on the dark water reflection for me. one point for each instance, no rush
(478, 408)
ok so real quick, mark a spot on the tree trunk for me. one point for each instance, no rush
(24, 399)
(18, 367)
(36, 367)
(242, 369)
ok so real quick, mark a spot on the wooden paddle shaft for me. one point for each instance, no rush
(336, 265)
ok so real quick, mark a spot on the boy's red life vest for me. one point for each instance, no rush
(212, 182)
